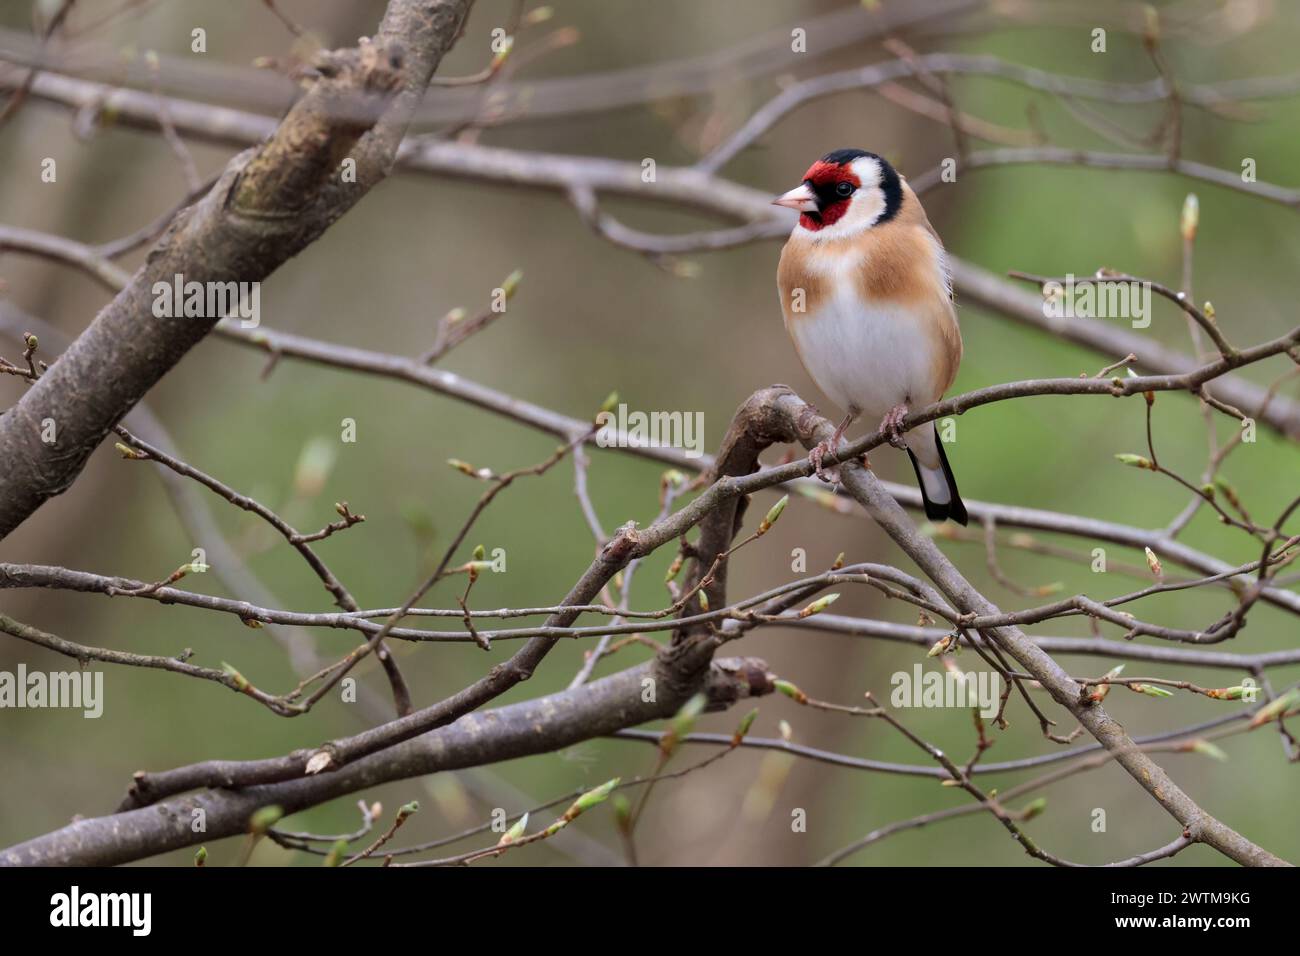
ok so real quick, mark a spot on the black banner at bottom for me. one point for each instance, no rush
(301, 904)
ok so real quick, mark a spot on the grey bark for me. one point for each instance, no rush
(270, 203)
(519, 730)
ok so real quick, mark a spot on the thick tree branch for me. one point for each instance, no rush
(519, 730)
(269, 204)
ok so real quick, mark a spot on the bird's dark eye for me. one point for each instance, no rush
(844, 189)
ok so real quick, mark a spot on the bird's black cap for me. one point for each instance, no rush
(842, 157)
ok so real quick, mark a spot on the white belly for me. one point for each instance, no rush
(866, 357)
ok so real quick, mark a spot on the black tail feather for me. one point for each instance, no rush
(955, 509)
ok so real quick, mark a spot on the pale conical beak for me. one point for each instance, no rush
(801, 198)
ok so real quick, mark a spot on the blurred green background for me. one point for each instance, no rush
(590, 318)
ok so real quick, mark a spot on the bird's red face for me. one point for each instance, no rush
(825, 194)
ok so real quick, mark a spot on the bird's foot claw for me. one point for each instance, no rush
(892, 425)
(829, 475)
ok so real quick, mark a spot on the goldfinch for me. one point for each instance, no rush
(868, 303)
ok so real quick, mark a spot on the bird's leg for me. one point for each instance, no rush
(892, 424)
(823, 448)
